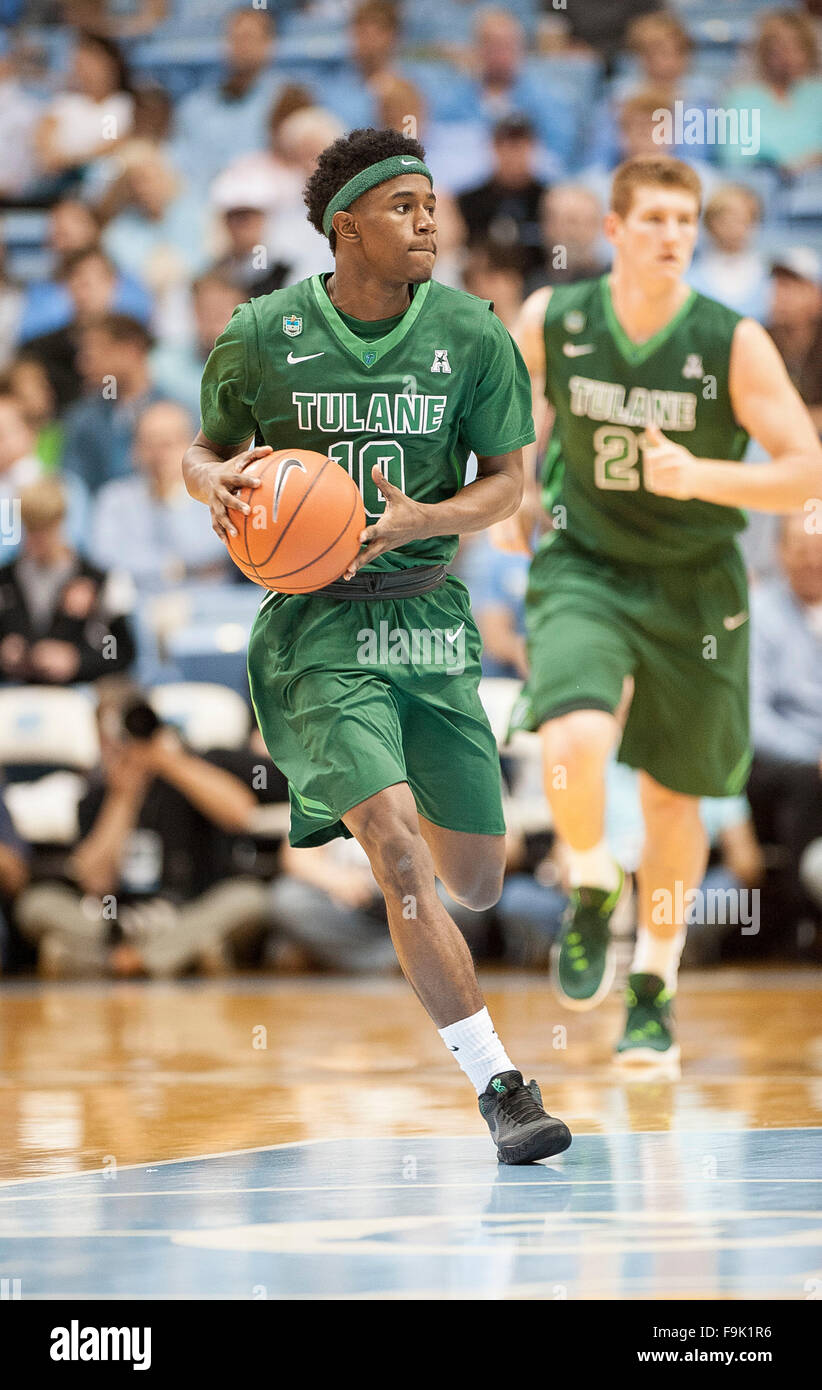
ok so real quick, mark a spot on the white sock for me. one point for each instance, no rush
(593, 868)
(658, 955)
(477, 1049)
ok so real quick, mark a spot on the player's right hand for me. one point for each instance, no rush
(223, 480)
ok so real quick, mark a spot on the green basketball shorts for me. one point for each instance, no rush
(680, 631)
(355, 696)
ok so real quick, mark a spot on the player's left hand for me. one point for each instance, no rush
(667, 469)
(402, 521)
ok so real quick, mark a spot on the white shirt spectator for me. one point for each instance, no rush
(83, 124)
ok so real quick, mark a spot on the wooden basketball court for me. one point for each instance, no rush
(310, 1138)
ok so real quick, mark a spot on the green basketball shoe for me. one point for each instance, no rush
(648, 1036)
(583, 958)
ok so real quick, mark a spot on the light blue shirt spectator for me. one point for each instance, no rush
(496, 579)
(48, 305)
(211, 130)
(180, 369)
(158, 541)
(434, 23)
(132, 239)
(99, 437)
(742, 282)
(790, 126)
(786, 674)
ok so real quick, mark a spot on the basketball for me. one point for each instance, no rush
(303, 528)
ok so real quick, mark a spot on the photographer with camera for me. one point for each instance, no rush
(142, 890)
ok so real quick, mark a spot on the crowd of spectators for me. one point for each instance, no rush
(151, 172)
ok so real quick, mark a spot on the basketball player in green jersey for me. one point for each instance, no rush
(366, 691)
(655, 391)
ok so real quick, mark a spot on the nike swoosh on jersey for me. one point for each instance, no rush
(452, 636)
(292, 360)
(736, 620)
(578, 349)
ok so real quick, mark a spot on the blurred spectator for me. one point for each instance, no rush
(497, 581)
(107, 17)
(213, 125)
(102, 185)
(663, 49)
(147, 524)
(271, 181)
(14, 873)
(91, 283)
(148, 825)
(96, 111)
(28, 382)
(160, 235)
(20, 467)
(795, 321)
(290, 239)
(444, 28)
(19, 115)
(400, 104)
(638, 126)
(62, 620)
(729, 268)
(12, 300)
(351, 92)
(602, 26)
(269, 163)
(114, 356)
(73, 227)
(451, 235)
(245, 262)
(573, 244)
(785, 789)
(504, 86)
(493, 272)
(18, 464)
(504, 210)
(786, 94)
(327, 904)
(180, 366)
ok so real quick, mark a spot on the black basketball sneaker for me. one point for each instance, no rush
(519, 1126)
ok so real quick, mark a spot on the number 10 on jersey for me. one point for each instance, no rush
(385, 452)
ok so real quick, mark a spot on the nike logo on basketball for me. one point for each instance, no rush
(735, 621)
(284, 468)
(578, 349)
(452, 636)
(292, 360)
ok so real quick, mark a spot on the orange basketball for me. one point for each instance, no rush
(303, 528)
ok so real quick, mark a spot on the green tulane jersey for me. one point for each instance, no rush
(414, 394)
(605, 390)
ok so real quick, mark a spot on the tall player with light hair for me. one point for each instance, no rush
(655, 391)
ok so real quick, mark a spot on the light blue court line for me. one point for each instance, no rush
(626, 1215)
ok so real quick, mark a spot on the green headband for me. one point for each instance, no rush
(390, 168)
